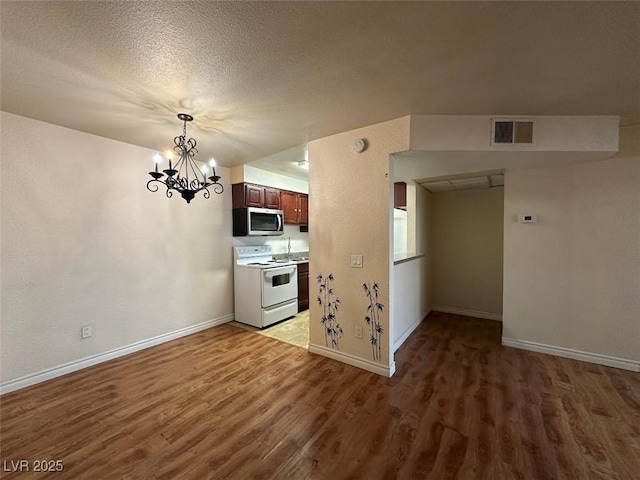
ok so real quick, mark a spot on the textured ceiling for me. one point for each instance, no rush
(264, 77)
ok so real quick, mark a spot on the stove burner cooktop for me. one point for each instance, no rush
(259, 263)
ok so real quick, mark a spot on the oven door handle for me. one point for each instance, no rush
(272, 272)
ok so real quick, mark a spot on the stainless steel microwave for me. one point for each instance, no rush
(257, 221)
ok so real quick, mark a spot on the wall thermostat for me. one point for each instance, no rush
(527, 218)
(360, 145)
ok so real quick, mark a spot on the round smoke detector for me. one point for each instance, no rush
(360, 145)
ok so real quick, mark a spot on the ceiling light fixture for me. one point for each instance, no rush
(185, 178)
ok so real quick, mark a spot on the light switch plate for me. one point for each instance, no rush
(356, 261)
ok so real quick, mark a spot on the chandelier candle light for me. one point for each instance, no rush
(185, 178)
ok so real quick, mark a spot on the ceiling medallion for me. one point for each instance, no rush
(185, 178)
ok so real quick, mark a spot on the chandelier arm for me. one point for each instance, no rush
(152, 183)
(218, 188)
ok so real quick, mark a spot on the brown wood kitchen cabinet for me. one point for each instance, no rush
(400, 195)
(251, 195)
(303, 286)
(296, 207)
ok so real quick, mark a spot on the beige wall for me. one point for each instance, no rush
(466, 251)
(349, 204)
(572, 280)
(85, 243)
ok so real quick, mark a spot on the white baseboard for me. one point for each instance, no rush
(468, 313)
(398, 343)
(353, 360)
(34, 378)
(597, 358)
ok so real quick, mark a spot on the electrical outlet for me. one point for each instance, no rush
(356, 261)
(358, 331)
(86, 331)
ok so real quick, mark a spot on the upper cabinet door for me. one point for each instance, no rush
(400, 195)
(253, 195)
(272, 198)
(289, 206)
(295, 205)
(304, 209)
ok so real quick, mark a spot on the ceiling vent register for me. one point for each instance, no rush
(511, 132)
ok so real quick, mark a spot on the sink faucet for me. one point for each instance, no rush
(289, 249)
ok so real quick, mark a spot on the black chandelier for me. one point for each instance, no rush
(185, 178)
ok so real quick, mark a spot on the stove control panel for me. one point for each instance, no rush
(253, 251)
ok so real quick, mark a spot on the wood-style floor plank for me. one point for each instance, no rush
(227, 403)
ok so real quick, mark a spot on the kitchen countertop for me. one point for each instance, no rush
(406, 257)
(296, 257)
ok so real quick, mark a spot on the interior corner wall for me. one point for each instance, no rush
(572, 280)
(424, 204)
(411, 278)
(85, 243)
(466, 252)
(424, 211)
(349, 208)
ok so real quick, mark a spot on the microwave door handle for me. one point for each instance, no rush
(279, 221)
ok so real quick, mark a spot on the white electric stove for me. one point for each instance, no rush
(266, 290)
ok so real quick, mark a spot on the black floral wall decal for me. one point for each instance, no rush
(332, 329)
(373, 319)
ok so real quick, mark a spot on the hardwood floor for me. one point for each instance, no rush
(231, 404)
